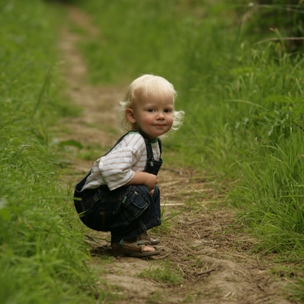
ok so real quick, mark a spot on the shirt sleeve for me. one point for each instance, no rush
(117, 167)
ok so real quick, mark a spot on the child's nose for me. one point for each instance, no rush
(160, 115)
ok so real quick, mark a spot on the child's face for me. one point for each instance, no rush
(153, 115)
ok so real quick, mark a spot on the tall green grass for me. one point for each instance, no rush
(242, 94)
(41, 253)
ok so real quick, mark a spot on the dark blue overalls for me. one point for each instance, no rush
(127, 211)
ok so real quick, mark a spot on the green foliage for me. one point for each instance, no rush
(264, 20)
(163, 274)
(275, 196)
(107, 53)
(41, 255)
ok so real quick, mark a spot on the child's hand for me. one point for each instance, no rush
(151, 181)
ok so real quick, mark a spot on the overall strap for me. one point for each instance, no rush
(147, 141)
(149, 151)
(80, 185)
(152, 165)
(119, 140)
(160, 146)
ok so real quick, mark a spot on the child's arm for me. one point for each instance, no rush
(150, 180)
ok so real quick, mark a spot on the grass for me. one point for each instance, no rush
(42, 255)
(243, 98)
(164, 273)
(241, 86)
(276, 195)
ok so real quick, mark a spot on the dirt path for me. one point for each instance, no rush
(199, 244)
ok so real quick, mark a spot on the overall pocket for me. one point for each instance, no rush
(135, 203)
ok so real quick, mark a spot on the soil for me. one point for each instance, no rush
(199, 244)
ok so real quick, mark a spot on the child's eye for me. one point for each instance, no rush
(151, 110)
(168, 111)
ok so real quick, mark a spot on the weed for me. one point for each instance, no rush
(165, 273)
(156, 298)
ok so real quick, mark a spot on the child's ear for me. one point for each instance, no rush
(130, 115)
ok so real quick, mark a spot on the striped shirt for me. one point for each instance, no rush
(118, 167)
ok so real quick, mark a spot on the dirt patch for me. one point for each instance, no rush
(198, 246)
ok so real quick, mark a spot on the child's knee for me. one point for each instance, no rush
(156, 192)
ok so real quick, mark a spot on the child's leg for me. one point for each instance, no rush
(139, 212)
(98, 207)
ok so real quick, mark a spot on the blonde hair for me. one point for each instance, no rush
(140, 88)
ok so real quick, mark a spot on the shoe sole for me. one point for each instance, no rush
(136, 254)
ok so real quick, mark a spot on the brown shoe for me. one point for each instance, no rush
(146, 237)
(133, 249)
